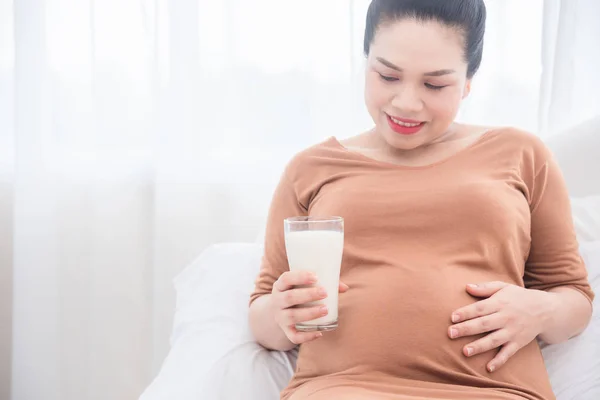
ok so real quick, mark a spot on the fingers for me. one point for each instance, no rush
(507, 351)
(297, 337)
(476, 326)
(489, 342)
(485, 289)
(293, 316)
(294, 297)
(289, 279)
(475, 310)
(293, 289)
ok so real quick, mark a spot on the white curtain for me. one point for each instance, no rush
(134, 133)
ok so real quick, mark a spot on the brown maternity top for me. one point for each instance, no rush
(414, 237)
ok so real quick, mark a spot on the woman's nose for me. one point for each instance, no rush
(407, 100)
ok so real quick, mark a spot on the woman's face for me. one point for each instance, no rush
(415, 81)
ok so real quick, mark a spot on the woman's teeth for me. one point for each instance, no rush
(404, 123)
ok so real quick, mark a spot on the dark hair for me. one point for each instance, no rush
(466, 15)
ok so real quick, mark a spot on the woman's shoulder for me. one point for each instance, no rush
(524, 149)
(323, 155)
(519, 137)
(519, 141)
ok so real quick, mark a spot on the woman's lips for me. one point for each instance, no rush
(404, 126)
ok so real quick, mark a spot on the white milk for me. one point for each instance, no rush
(319, 252)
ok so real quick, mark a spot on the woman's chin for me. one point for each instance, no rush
(402, 142)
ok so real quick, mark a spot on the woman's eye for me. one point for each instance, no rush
(434, 87)
(388, 78)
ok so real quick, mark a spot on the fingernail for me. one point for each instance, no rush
(319, 335)
(472, 285)
(469, 351)
(312, 278)
(453, 333)
(491, 368)
(455, 317)
(322, 292)
(323, 310)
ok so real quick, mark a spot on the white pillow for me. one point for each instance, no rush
(213, 354)
(574, 366)
(586, 217)
(576, 150)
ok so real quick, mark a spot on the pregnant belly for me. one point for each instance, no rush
(396, 321)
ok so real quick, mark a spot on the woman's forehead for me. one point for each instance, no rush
(409, 43)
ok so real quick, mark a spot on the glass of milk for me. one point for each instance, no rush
(316, 244)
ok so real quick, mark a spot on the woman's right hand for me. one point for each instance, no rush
(286, 295)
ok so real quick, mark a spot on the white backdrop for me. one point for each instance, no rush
(134, 133)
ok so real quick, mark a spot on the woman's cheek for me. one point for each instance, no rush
(378, 95)
(445, 104)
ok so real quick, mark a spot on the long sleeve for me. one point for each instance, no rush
(284, 204)
(554, 258)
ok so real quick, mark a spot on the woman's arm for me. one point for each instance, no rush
(266, 330)
(278, 292)
(569, 314)
(264, 327)
(554, 263)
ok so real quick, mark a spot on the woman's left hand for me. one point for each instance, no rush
(512, 315)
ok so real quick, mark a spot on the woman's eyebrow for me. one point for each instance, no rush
(432, 73)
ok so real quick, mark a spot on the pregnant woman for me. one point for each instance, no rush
(459, 247)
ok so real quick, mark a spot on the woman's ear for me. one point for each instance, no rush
(467, 89)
